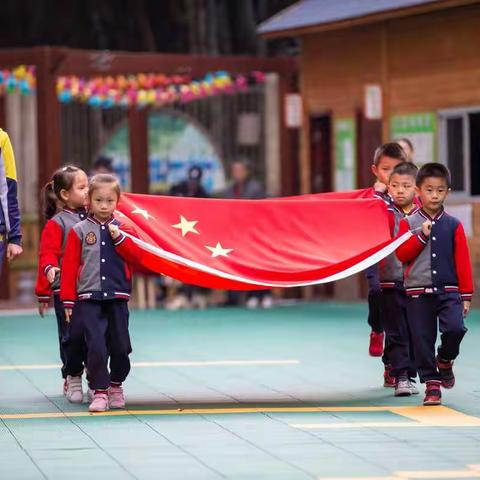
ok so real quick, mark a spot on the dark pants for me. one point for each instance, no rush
(106, 335)
(62, 331)
(374, 307)
(426, 314)
(397, 334)
(73, 343)
(3, 246)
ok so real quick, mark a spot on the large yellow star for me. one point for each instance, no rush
(186, 226)
(219, 251)
(143, 212)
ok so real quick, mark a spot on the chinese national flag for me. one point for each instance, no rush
(255, 244)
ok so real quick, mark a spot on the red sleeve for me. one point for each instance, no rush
(391, 222)
(70, 267)
(42, 287)
(410, 250)
(463, 265)
(50, 249)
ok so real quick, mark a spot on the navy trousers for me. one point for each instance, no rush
(374, 307)
(3, 246)
(394, 316)
(426, 314)
(62, 330)
(106, 335)
(73, 346)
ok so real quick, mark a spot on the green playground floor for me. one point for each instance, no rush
(288, 393)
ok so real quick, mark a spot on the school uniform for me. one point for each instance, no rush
(96, 283)
(393, 305)
(52, 245)
(438, 277)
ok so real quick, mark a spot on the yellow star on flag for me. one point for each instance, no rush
(219, 251)
(143, 212)
(186, 226)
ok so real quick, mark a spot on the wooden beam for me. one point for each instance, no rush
(89, 63)
(138, 136)
(10, 58)
(48, 115)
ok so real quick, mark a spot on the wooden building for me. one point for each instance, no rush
(374, 70)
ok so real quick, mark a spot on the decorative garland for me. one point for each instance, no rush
(139, 90)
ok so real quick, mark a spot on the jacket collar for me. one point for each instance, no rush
(92, 219)
(438, 216)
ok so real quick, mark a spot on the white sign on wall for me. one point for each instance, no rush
(293, 110)
(373, 102)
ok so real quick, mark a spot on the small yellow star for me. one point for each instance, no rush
(186, 226)
(219, 251)
(140, 211)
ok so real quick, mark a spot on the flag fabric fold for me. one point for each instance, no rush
(258, 244)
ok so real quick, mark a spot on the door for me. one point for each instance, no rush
(321, 154)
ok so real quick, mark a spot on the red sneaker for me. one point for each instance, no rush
(388, 380)
(433, 394)
(446, 372)
(376, 344)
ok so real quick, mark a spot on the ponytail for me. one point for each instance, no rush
(50, 201)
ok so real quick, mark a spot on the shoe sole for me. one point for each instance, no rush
(432, 402)
(403, 393)
(75, 401)
(448, 386)
(117, 408)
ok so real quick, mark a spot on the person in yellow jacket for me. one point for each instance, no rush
(10, 234)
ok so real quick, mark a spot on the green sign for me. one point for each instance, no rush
(345, 154)
(420, 129)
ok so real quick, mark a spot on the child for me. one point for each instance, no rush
(68, 193)
(438, 281)
(386, 158)
(401, 188)
(95, 288)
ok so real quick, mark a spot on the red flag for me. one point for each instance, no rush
(253, 244)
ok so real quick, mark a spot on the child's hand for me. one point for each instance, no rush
(68, 314)
(380, 187)
(42, 308)
(51, 274)
(114, 231)
(466, 307)
(426, 227)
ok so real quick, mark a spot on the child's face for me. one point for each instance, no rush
(77, 196)
(432, 192)
(385, 168)
(402, 189)
(103, 202)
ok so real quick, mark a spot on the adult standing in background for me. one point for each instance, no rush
(10, 234)
(245, 186)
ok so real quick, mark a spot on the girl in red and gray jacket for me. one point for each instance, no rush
(65, 198)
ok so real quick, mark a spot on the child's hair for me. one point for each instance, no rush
(405, 140)
(405, 168)
(433, 170)
(104, 179)
(62, 179)
(392, 150)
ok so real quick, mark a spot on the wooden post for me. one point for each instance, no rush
(138, 135)
(48, 116)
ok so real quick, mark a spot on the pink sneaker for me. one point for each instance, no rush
(116, 397)
(99, 403)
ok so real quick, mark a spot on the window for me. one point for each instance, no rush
(460, 148)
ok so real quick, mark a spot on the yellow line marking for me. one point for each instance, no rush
(438, 474)
(199, 363)
(411, 413)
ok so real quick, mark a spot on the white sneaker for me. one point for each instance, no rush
(253, 302)
(413, 387)
(402, 387)
(99, 403)
(74, 389)
(267, 301)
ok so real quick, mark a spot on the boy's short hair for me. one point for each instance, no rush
(433, 170)
(392, 150)
(405, 168)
